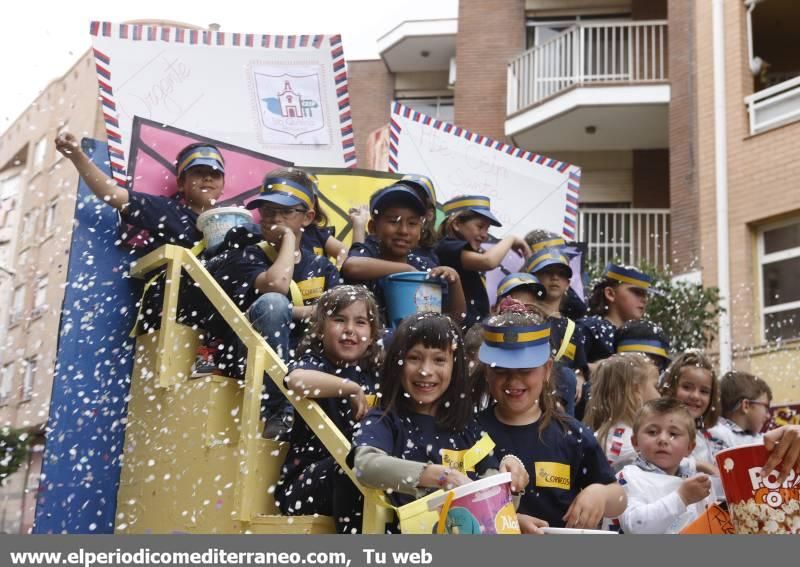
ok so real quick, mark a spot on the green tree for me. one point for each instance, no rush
(13, 451)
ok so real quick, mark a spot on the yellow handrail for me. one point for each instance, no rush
(260, 358)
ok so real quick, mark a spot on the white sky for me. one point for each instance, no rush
(43, 38)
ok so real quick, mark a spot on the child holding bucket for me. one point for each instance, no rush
(571, 483)
(337, 366)
(691, 379)
(665, 493)
(621, 384)
(745, 400)
(397, 219)
(277, 282)
(424, 436)
(462, 233)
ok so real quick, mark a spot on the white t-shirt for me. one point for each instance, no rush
(727, 434)
(618, 448)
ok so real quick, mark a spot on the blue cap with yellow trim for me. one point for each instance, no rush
(200, 155)
(547, 257)
(476, 203)
(515, 347)
(555, 242)
(517, 280)
(644, 337)
(628, 275)
(395, 195)
(423, 183)
(284, 192)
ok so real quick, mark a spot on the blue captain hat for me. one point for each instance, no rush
(193, 156)
(547, 257)
(284, 192)
(526, 346)
(517, 280)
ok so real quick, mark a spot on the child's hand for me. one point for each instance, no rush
(531, 525)
(587, 509)
(695, 489)
(519, 476)
(521, 247)
(277, 233)
(359, 403)
(359, 216)
(440, 476)
(446, 273)
(783, 445)
(708, 468)
(67, 145)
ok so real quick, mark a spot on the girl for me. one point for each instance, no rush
(620, 386)
(462, 233)
(418, 439)
(337, 366)
(692, 380)
(571, 482)
(619, 296)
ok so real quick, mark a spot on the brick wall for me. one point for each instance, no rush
(371, 87)
(684, 196)
(489, 35)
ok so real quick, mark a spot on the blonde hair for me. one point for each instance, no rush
(614, 398)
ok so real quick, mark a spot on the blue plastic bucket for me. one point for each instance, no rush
(407, 293)
(215, 223)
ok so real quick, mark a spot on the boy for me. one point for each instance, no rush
(745, 410)
(664, 492)
(262, 278)
(396, 222)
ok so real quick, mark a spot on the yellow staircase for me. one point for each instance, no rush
(194, 460)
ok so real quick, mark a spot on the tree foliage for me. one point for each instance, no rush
(13, 451)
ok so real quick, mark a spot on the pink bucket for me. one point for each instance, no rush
(481, 507)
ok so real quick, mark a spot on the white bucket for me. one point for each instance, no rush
(215, 223)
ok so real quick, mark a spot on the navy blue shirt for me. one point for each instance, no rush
(314, 238)
(416, 437)
(166, 220)
(305, 447)
(449, 251)
(560, 464)
(599, 334)
(575, 355)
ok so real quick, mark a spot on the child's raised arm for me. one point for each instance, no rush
(278, 276)
(595, 502)
(315, 384)
(98, 182)
(490, 259)
(362, 269)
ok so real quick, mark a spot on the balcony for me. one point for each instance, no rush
(594, 86)
(631, 236)
(774, 106)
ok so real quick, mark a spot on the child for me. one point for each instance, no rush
(262, 278)
(473, 339)
(745, 403)
(620, 296)
(572, 306)
(423, 186)
(200, 173)
(571, 482)
(337, 366)
(644, 337)
(418, 440)
(664, 492)
(620, 385)
(691, 379)
(397, 218)
(462, 233)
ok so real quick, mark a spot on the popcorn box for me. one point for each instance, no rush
(759, 504)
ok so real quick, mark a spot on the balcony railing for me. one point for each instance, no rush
(631, 236)
(774, 106)
(591, 53)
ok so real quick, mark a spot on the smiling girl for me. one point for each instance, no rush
(337, 366)
(424, 436)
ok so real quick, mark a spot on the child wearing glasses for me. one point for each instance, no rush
(745, 403)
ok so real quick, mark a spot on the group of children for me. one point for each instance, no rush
(445, 398)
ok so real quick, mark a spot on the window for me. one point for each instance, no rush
(39, 151)
(30, 222)
(439, 107)
(18, 306)
(28, 378)
(9, 187)
(779, 257)
(50, 217)
(6, 382)
(40, 299)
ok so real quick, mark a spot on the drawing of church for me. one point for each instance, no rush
(292, 104)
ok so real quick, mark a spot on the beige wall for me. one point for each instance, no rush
(762, 177)
(606, 176)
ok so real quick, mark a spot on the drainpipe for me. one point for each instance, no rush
(721, 171)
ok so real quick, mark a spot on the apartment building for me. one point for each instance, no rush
(624, 88)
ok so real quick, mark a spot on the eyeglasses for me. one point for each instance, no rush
(270, 212)
(757, 403)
